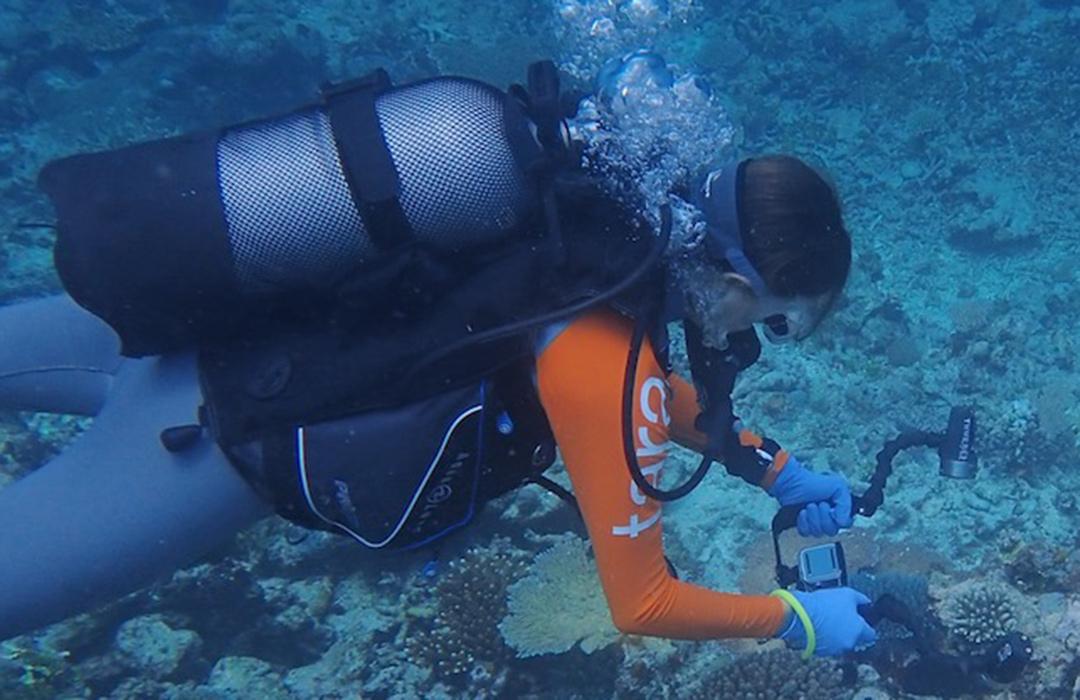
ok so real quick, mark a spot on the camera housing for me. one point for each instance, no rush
(822, 566)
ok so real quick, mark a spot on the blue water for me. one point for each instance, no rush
(950, 131)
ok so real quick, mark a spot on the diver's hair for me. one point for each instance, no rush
(792, 228)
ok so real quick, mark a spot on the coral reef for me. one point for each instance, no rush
(149, 646)
(558, 603)
(240, 676)
(950, 131)
(1040, 566)
(1056, 406)
(648, 668)
(913, 590)
(31, 439)
(777, 674)
(457, 634)
(978, 611)
(1015, 437)
(34, 672)
(91, 26)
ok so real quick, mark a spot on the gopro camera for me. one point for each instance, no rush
(822, 566)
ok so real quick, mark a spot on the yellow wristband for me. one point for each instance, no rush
(804, 618)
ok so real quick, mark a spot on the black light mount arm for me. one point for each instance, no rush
(956, 456)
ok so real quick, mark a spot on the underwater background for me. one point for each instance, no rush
(951, 130)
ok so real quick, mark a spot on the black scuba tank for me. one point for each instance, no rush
(209, 235)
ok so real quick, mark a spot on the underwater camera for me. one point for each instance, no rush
(824, 566)
(931, 672)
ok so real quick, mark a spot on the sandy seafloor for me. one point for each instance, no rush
(950, 129)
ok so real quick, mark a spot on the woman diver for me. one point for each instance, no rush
(199, 430)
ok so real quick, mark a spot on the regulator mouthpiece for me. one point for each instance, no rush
(957, 452)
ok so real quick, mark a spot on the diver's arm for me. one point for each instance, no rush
(745, 464)
(684, 409)
(763, 463)
(580, 377)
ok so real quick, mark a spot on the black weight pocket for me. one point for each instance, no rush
(388, 478)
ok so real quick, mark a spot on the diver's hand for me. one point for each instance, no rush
(827, 498)
(834, 616)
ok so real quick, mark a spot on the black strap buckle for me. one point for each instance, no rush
(546, 109)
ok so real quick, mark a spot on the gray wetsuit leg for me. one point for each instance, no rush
(115, 510)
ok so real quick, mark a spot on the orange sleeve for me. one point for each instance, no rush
(580, 378)
(684, 411)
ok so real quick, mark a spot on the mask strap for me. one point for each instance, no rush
(724, 239)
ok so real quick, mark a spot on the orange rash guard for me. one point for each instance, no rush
(580, 379)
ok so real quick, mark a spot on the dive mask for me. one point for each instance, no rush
(788, 320)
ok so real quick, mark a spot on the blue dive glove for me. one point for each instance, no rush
(836, 627)
(828, 498)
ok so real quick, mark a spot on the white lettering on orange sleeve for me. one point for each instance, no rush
(659, 419)
(658, 385)
(636, 526)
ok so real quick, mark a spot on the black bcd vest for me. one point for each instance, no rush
(363, 279)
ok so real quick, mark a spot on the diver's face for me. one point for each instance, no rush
(730, 305)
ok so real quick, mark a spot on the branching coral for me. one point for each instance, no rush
(777, 675)
(1014, 435)
(460, 633)
(558, 604)
(976, 612)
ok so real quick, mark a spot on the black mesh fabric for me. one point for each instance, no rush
(291, 218)
(456, 166)
(220, 235)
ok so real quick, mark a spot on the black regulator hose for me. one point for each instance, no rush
(512, 329)
(641, 326)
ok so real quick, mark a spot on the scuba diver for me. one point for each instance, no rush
(417, 288)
